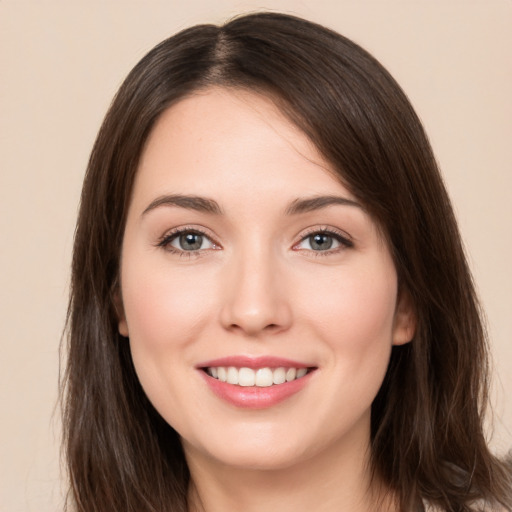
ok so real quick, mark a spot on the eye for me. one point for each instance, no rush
(323, 241)
(186, 241)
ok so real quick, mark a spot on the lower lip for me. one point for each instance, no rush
(254, 397)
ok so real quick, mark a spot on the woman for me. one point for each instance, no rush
(270, 303)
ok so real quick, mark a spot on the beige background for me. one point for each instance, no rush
(60, 64)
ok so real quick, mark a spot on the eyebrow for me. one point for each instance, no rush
(206, 205)
(316, 203)
(200, 204)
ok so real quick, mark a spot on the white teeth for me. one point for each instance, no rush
(232, 375)
(246, 377)
(279, 376)
(263, 377)
(291, 373)
(222, 374)
(301, 372)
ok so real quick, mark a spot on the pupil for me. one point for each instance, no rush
(321, 242)
(191, 241)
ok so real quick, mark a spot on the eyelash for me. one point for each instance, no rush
(341, 237)
(165, 241)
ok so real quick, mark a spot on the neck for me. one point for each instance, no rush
(338, 479)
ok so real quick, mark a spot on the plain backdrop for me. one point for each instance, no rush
(60, 64)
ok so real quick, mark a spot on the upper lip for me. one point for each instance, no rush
(254, 362)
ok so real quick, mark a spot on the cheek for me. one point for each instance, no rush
(355, 301)
(356, 325)
(163, 305)
(166, 313)
(354, 315)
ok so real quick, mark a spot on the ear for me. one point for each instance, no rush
(405, 321)
(122, 325)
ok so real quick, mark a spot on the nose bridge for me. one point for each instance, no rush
(255, 299)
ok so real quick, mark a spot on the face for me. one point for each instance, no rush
(259, 299)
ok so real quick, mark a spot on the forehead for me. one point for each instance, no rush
(220, 137)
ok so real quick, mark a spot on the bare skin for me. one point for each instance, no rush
(324, 484)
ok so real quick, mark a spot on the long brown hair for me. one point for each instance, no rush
(427, 441)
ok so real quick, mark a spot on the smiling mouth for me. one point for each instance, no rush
(261, 377)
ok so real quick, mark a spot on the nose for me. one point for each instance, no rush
(255, 300)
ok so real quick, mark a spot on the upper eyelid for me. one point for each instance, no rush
(326, 230)
(174, 232)
(331, 230)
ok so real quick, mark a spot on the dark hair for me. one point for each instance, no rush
(426, 430)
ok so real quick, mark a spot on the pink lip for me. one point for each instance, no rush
(254, 397)
(253, 362)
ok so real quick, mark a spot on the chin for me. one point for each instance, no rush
(262, 448)
(257, 459)
(271, 447)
